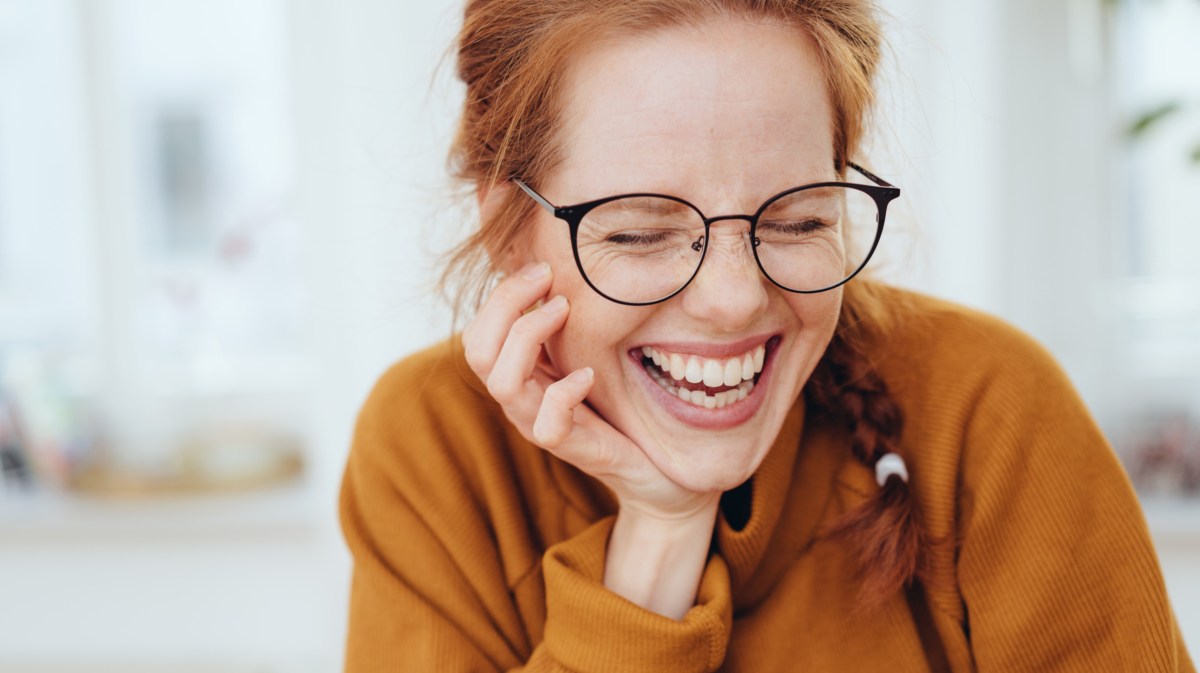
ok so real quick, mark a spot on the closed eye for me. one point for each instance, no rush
(638, 237)
(792, 227)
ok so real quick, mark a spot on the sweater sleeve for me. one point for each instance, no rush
(436, 539)
(1056, 566)
(589, 628)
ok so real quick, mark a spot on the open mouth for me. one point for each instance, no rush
(709, 383)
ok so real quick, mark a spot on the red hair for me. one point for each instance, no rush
(512, 56)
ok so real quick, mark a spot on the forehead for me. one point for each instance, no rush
(724, 114)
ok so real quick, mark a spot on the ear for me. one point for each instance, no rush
(492, 199)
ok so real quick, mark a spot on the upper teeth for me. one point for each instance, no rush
(713, 372)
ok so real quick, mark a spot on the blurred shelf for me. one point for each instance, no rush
(286, 510)
(161, 667)
(293, 511)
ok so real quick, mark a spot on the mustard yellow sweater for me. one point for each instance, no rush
(476, 551)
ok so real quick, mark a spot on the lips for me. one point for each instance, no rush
(711, 386)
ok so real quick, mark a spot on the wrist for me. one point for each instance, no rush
(681, 516)
(656, 560)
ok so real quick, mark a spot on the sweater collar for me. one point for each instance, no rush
(790, 495)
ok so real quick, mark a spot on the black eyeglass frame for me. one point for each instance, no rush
(882, 192)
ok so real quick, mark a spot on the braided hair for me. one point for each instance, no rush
(885, 532)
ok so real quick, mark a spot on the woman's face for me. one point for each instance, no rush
(724, 115)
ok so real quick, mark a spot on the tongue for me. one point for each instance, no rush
(708, 390)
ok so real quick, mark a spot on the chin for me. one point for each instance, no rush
(721, 476)
(705, 461)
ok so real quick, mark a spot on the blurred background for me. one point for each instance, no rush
(218, 222)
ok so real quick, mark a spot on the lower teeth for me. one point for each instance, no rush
(698, 397)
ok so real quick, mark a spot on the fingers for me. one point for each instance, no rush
(511, 376)
(504, 346)
(556, 417)
(485, 335)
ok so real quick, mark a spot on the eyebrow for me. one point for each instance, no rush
(679, 194)
(648, 202)
(563, 211)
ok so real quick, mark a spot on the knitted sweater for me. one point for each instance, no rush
(477, 551)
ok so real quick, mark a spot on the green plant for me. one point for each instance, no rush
(1154, 117)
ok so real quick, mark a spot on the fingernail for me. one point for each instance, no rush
(555, 305)
(535, 271)
(581, 376)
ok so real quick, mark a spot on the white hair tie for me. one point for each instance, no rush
(888, 465)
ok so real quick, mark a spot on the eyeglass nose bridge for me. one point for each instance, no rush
(709, 221)
(701, 245)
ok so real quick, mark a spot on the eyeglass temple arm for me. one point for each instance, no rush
(870, 176)
(541, 200)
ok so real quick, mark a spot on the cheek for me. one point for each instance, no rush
(815, 311)
(589, 333)
(595, 332)
(590, 338)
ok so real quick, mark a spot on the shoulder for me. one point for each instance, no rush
(1016, 487)
(433, 373)
(436, 469)
(985, 405)
(932, 346)
(427, 390)
(981, 399)
(428, 419)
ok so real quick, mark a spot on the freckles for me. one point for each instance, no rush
(816, 310)
(579, 343)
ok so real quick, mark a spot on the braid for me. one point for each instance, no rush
(886, 531)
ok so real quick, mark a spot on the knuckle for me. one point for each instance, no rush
(526, 326)
(507, 293)
(557, 396)
(547, 433)
(500, 389)
(475, 361)
(550, 427)
(541, 436)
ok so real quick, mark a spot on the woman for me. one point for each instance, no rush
(680, 435)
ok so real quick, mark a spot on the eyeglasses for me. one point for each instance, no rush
(640, 249)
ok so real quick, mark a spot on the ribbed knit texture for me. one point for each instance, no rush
(476, 551)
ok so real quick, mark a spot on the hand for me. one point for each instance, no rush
(504, 346)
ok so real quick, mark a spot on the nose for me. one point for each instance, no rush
(728, 292)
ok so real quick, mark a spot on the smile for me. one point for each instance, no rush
(710, 383)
